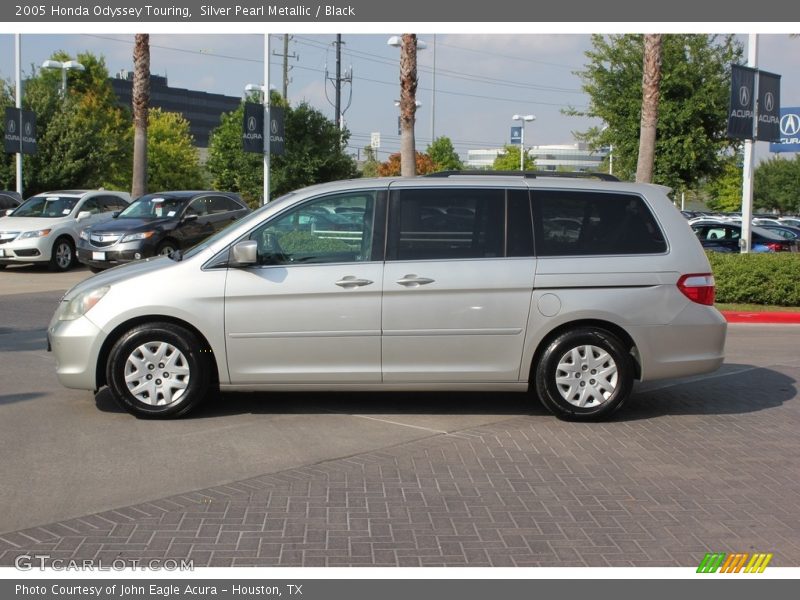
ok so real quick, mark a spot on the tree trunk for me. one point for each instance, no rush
(651, 84)
(408, 104)
(141, 103)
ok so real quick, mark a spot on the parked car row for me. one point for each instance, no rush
(102, 228)
(725, 237)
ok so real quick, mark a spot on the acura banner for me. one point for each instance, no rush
(769, 107)
(789, 129)
(741, 113)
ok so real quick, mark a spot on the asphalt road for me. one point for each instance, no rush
(67, 453)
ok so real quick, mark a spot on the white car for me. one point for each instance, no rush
(46, 227)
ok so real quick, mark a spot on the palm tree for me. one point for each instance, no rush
(408, 103)
(651, 84)
(141, 103)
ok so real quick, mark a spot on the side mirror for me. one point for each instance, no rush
(245, 253)
(115, 214)
(188, 218)
(84, 214)
(9, 211)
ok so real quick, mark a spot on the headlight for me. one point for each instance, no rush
(80, 304)
(84, 235)
(137, 236)
(35, 234)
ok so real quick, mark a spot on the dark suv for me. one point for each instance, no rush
(158, 224)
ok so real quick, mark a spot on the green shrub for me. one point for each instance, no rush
(761, 278)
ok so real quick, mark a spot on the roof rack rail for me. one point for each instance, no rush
(528, 174)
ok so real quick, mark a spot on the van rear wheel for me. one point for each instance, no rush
(584, 374)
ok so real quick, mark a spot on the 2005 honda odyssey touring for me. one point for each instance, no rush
(568, 289)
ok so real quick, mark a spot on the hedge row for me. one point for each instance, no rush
(761, 278)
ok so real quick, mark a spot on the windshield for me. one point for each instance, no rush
(154, 207)
(51, 207)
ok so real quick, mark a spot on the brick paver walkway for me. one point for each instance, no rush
(677, 475)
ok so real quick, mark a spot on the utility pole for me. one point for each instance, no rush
(338, 103)
(337, 81)
(286, 68)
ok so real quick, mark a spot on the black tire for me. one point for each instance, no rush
(62, 257)
(601, 367)
(166, 248)
(191, 371)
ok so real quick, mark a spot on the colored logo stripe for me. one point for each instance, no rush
(734, 563)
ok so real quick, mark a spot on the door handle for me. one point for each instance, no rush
(414, 281)
(350, 282)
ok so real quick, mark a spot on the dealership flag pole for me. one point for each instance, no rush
(18, 49)
(749, 159)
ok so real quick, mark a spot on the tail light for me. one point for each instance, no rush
(698, 287)
(777, 246)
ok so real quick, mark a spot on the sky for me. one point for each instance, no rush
(480, 80)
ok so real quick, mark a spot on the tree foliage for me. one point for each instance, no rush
(693, 103)
(444, 155)
(173, 162)
(775, 185)
(314, 154)
(725, 190)
(371, 163)
(391, 168)
(84, 138)
(509, 160)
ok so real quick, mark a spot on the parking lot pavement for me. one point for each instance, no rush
(27, 279)
(687, 467)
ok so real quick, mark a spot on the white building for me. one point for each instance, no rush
(569, 157)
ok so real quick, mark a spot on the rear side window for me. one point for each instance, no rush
(446, 224)
(222, 204)
(574, 223)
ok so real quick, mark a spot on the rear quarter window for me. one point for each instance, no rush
(575, 223)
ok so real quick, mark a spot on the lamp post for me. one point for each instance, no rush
(68, 65)
(264, 90)
(524, 119)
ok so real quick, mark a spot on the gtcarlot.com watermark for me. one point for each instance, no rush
(29, 562)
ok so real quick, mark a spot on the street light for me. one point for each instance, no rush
(69, 65)
(524, 119)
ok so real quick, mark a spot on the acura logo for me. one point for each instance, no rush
(251, 124)
(769, 102)
(28, 129)
(790, 124)
(744, 96)
(274, 126)
(12, 127)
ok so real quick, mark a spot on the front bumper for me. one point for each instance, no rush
(76, 347)
(118, 254)
(26, 251)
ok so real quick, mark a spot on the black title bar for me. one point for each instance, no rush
(359, 11)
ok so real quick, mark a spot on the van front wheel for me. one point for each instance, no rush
(584, 374)
(158, 370)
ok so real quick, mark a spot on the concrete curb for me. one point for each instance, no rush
(789, 318)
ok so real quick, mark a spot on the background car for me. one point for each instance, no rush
(158, 224)
(45, 228)
(787, 232)
(724, 237)
(9, 200)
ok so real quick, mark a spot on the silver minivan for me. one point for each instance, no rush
(569, 289)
